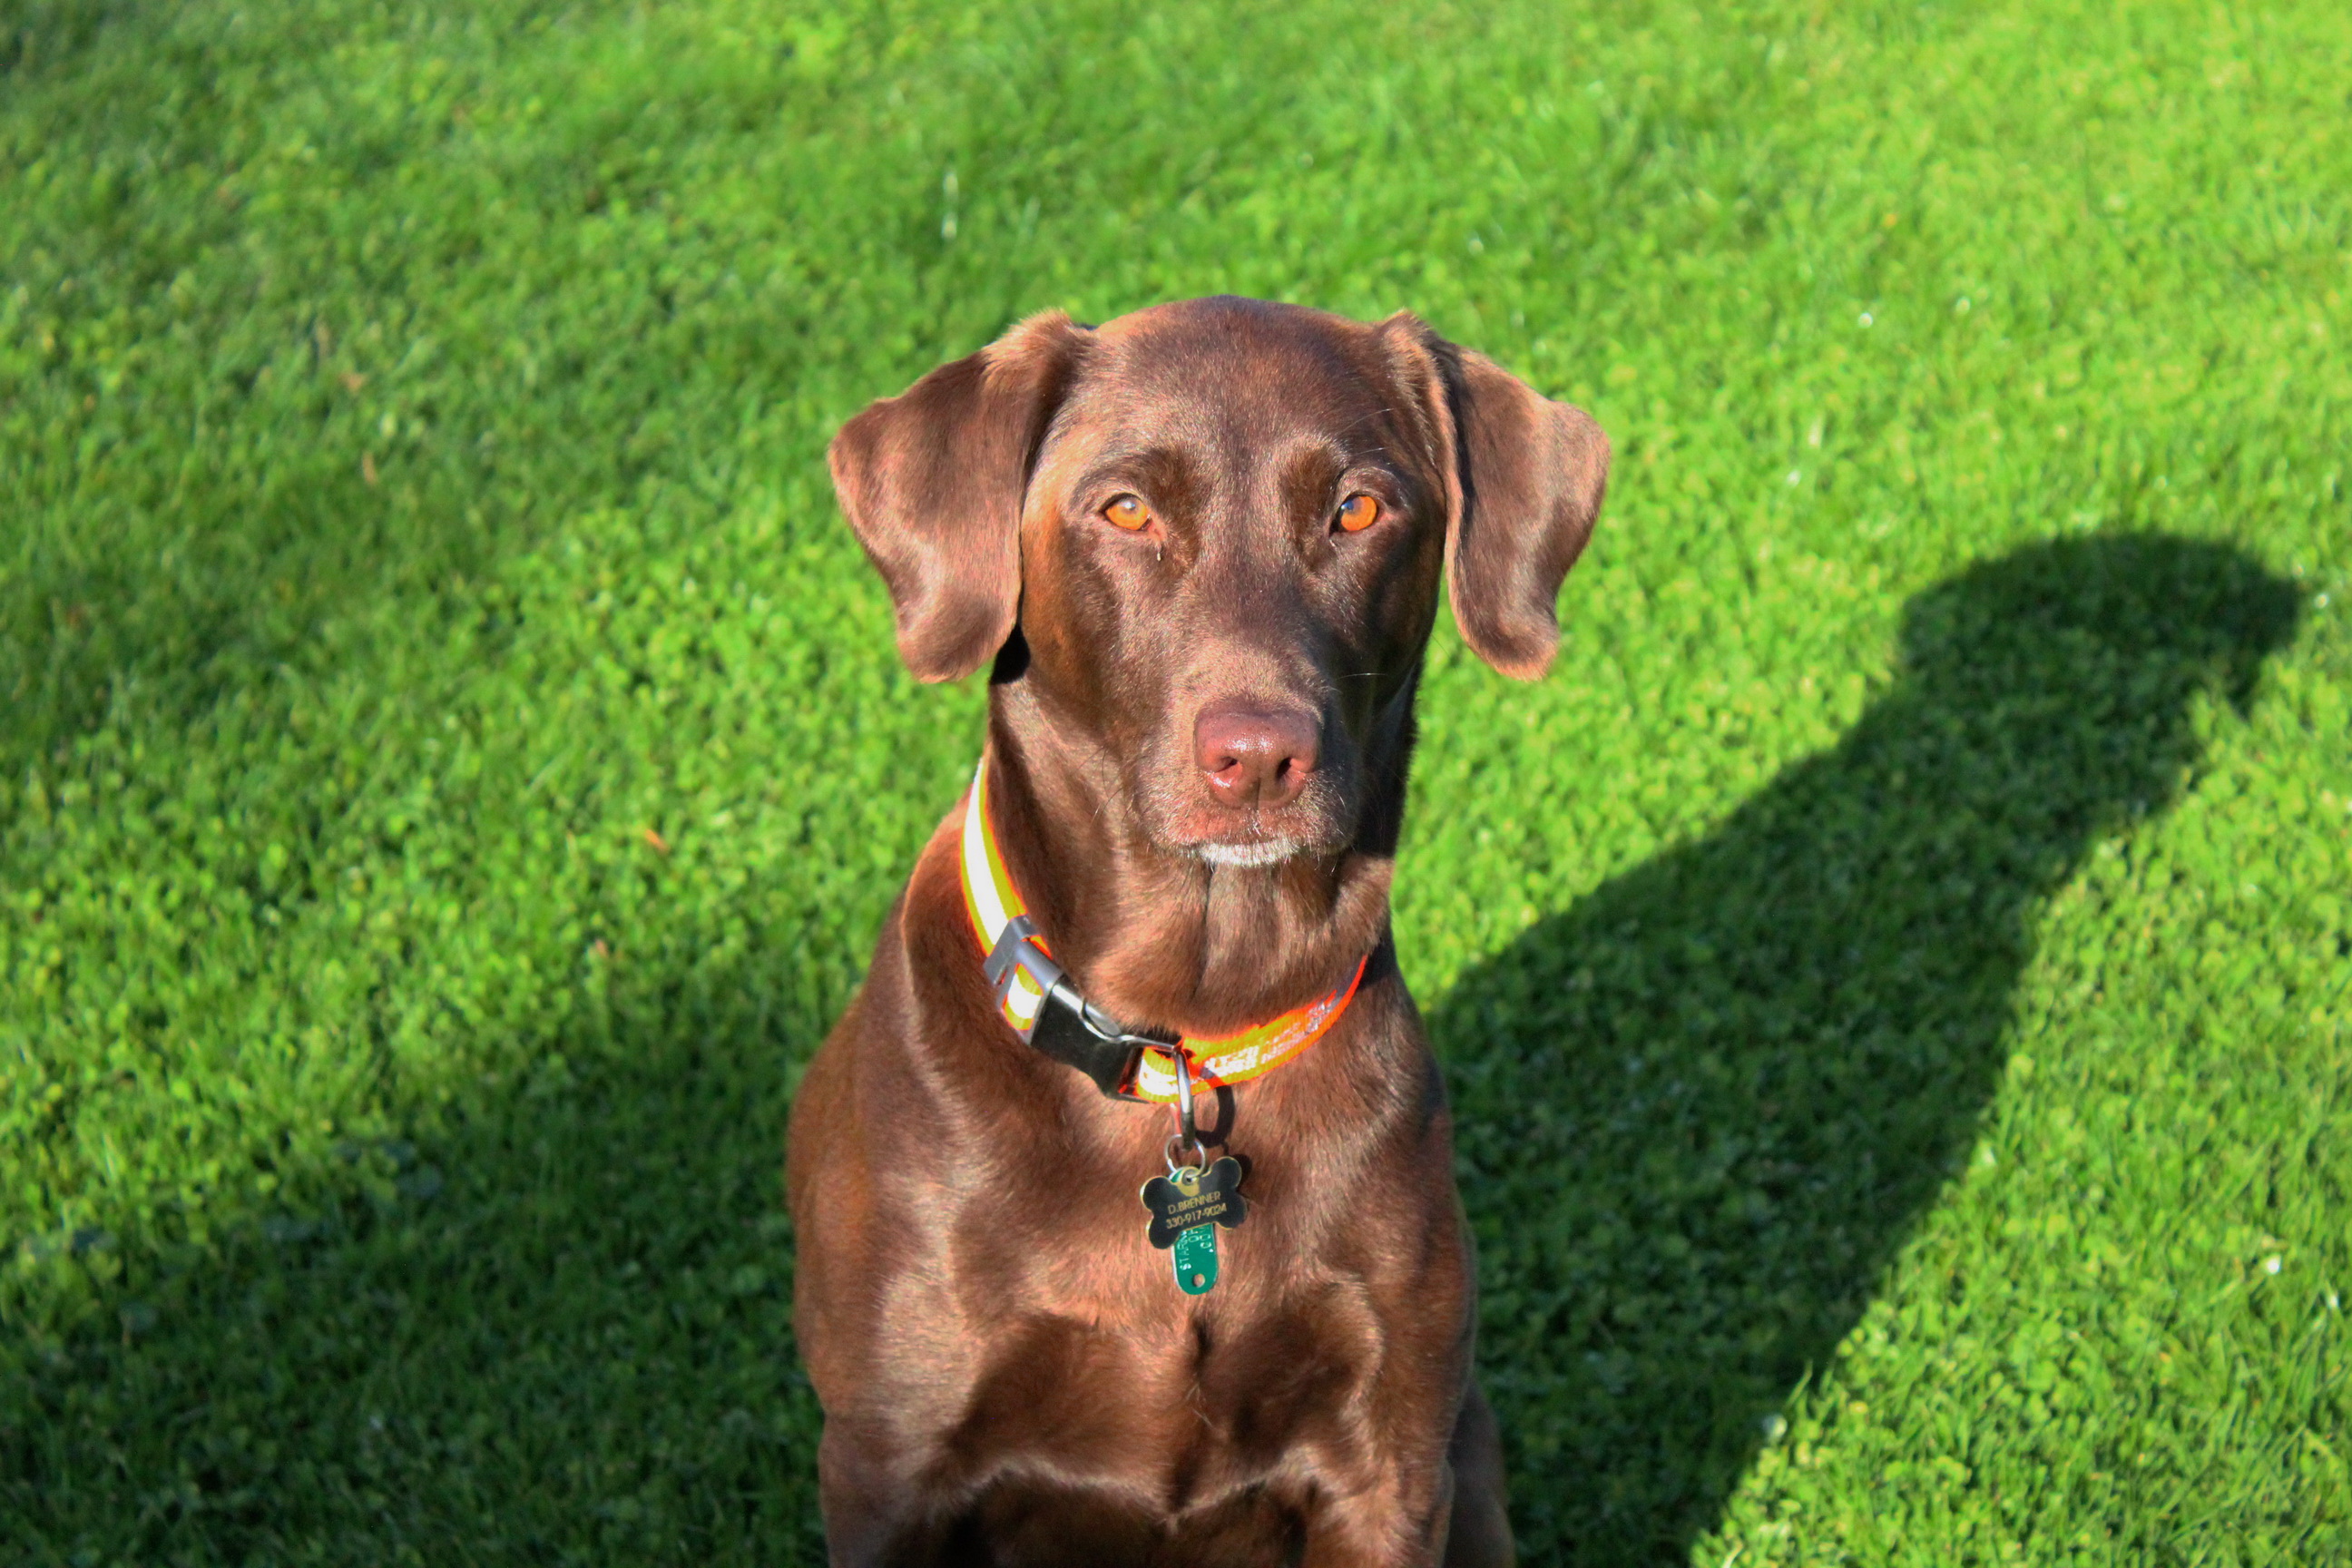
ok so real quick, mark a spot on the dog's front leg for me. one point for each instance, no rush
(1380, 1529)
(1444, 1510)
(1401, 1520)
(876, 1511)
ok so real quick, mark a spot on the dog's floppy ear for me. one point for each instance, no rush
(1524, 485)
(932, 482)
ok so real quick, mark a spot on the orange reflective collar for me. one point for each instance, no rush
(993, 903)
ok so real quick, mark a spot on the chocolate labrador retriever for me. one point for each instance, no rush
(1048, 1322)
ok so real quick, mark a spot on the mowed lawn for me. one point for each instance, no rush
(1895, 976)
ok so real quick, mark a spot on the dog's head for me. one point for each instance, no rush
(1208, 538)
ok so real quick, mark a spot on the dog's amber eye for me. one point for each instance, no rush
(1357, 513)
(1128, 512)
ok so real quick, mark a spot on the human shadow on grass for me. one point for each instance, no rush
(1698, 1110)
(551, 1325)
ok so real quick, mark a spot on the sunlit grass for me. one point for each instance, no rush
(1893, 973)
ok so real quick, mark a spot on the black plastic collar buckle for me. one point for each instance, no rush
(1067, 1028)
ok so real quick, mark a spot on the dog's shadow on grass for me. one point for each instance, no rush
(1699, 1109)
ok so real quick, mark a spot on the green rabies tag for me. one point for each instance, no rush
(1187, 1205)
(1196, 1260)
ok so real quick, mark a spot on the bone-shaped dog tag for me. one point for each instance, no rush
(1187, 1205)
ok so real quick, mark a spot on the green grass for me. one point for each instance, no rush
(1895, 974)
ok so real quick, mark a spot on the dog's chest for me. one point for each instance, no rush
(1133, 1385)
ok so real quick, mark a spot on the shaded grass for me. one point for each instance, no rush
(451, 765)
(1705, 1106)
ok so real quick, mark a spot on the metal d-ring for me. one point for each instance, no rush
(1199, 1161)
(1098, 1024)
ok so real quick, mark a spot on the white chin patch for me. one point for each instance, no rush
(1265, 852)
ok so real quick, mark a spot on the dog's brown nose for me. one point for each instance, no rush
(1254, 758)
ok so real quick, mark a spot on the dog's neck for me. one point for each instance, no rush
(1165, 940)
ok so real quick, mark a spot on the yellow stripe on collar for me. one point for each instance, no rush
(1223, 1059)
(992, 899)
(993, 902)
